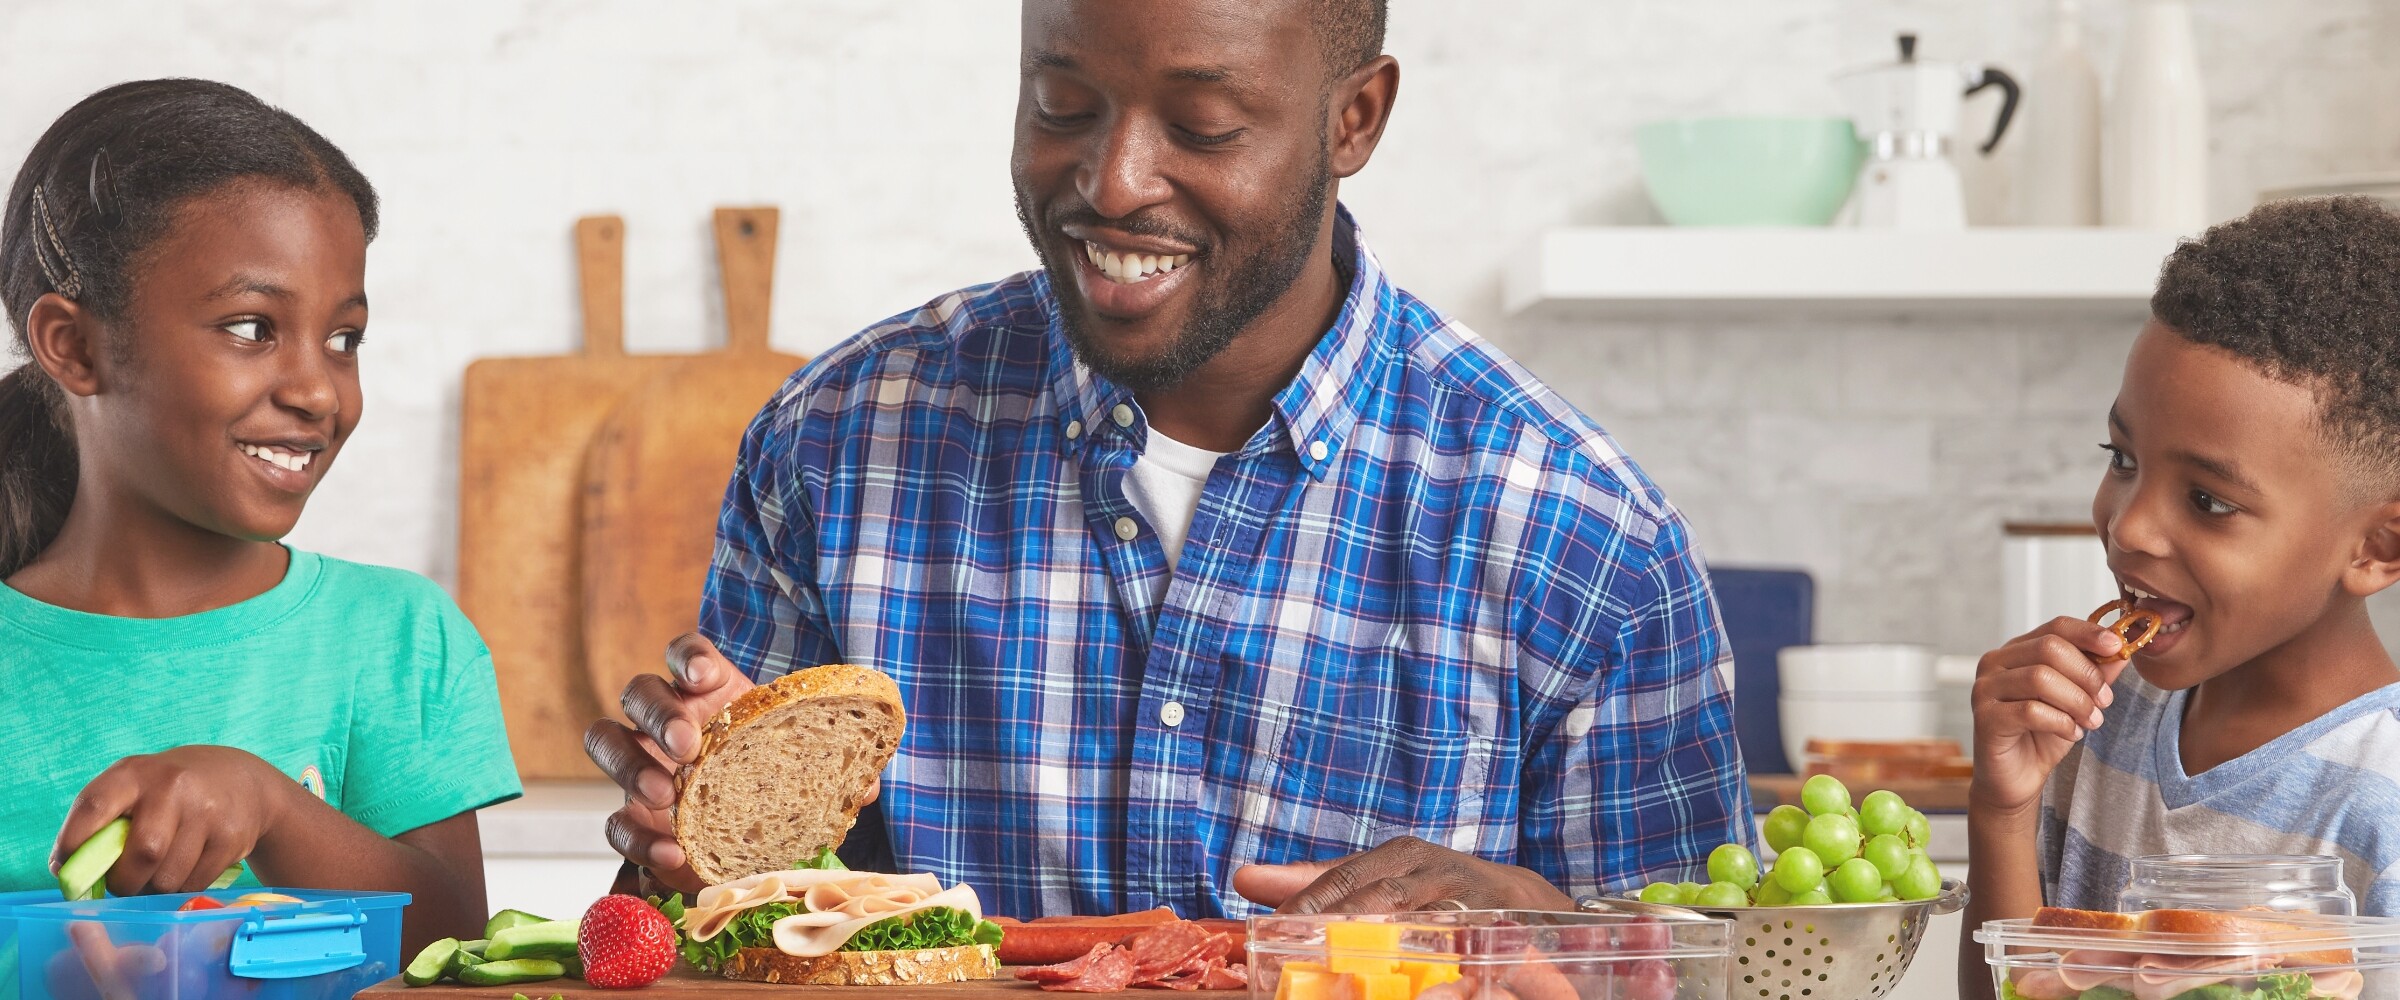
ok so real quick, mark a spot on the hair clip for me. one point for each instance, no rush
(104, 186)
(69, 284)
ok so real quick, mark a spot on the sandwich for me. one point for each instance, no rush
(781, 775)
(2187, 955)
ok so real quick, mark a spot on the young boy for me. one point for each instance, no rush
(2252, 500)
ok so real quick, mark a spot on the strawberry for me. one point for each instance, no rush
(624, 943)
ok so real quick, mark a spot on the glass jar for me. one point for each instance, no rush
(2301, 883)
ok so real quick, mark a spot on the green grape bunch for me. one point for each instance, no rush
(1827, 850)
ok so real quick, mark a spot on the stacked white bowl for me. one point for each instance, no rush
(1864, 691)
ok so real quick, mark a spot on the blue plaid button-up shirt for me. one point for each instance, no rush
(1428, 597)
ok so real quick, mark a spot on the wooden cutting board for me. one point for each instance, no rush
(684, 984)
(525, 425)
(654, 481)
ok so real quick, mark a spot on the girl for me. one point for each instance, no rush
(185, 267)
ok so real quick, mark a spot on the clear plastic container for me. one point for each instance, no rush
(329, 945)
(2296, 883)
(9, 901)
(2173, 953)
(1489, 955)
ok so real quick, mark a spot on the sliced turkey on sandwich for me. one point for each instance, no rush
(782, 773)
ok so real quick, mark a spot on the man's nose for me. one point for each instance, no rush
(1120, 174)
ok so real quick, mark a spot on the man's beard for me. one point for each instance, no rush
(1242, 290)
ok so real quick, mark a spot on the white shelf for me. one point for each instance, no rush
(1659, 270)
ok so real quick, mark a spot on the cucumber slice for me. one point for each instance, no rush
(475, 947)
(548, 939)
(225, 881)
(511, 972)
(506, 919)
(429, 965)
(79, 876)
(574, 967)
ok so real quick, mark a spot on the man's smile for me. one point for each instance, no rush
(1127, 279)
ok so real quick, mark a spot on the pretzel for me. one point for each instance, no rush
(2131, 618)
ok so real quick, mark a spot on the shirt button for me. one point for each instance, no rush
(1171, 714)
(1126, 529)
(1316, 450)
(1074, 429)
(1123, 415)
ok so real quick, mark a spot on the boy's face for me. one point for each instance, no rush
(2221, 502)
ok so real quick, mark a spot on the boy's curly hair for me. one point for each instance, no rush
(2309, 292)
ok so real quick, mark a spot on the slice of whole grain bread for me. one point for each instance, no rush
(783, 771)
(864, 968)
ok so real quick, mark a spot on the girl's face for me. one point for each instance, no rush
(232, 379)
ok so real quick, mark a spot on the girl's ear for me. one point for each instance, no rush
(2377, 564)
(64, 335)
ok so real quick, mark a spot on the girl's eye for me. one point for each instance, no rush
(248, 329)
(347, 341)
(2207, 504)
(2118, 459)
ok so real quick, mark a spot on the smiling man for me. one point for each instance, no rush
(1205, 546)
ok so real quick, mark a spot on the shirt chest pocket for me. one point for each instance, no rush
(1347, 784)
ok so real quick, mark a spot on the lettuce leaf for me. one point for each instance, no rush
(2105, 993)
(825, 860)
(940, 927)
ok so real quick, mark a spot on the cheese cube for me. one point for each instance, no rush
(1382, 986)
(1423, 976)
(1372, 948)
(1307, 981)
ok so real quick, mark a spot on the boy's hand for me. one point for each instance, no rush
(195, 811)
(2034, 699)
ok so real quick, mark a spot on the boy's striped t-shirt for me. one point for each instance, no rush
(2331, 787)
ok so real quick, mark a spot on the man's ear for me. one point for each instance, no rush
(64, 336)
(2377, 563)
(1363, 106)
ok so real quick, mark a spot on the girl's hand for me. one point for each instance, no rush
(2034, 699)
(195, 811)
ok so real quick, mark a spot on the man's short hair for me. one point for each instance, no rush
(2309, 292)
(1351, 32)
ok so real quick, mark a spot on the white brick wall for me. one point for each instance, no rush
(1881, 455)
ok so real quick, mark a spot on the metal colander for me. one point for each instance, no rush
(1843, 951)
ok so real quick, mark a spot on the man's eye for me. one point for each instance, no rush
(347, 341)
(1058, 120)
(1205, 139)
(248, 329)
(2207, 504)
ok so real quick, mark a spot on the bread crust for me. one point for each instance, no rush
(833, 680)
(917, 967)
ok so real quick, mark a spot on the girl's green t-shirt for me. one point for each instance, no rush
(364, 684)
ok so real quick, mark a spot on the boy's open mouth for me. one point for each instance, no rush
(2172, 615)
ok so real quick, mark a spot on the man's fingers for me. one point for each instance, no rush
(665, 713)
(1270, 885)
(697, 666)
(1398, 894)
(643, 836)
(629, 759)
(1390, 859)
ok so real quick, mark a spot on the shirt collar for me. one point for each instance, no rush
(1313, 416)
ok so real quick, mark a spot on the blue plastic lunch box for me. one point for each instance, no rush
(330, 945)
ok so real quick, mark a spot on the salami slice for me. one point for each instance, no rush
(1064, 971)
(1108, 972)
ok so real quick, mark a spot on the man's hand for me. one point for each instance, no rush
(2034, 699)
(667, 716)
(194, 812)
(1402, 875)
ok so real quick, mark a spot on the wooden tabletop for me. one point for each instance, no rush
(685, 984)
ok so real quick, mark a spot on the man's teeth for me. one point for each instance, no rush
(296, 461)
(1128, 268)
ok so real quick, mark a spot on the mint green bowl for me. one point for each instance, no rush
(1749, 171)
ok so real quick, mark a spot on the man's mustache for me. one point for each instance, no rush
(1146, 224)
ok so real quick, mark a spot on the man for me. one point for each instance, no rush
(1205, 545)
